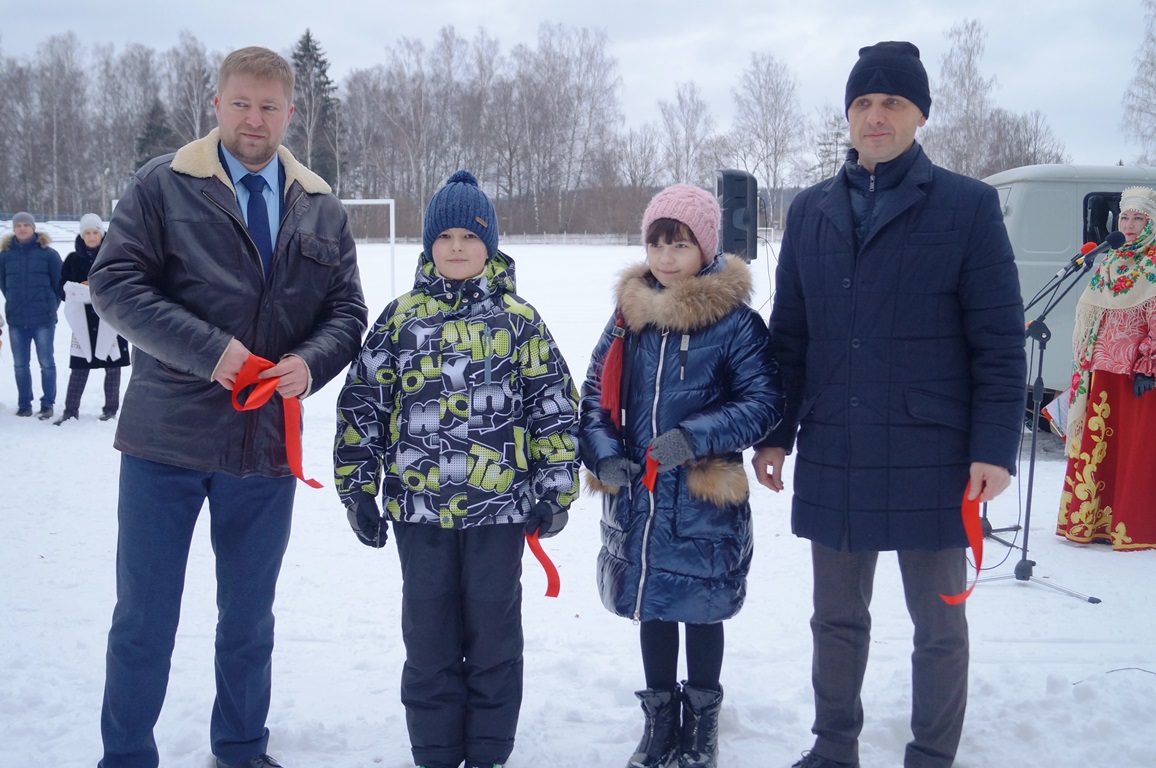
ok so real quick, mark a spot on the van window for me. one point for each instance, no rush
(1101, 210)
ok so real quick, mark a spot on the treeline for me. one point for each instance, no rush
(542, 126)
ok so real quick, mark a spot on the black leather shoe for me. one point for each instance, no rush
(63, 419)
(45, 414)
(811, 760)
(24, 412)
(106, 415)
(260, 761)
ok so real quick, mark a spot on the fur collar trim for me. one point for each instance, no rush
(712, 479)
(42, 240)
(199, 159)
(688, 305)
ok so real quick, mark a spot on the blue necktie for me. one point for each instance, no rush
(258, 219)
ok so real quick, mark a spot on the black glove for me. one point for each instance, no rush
(670, 449)
(1142, 383)
(367, 523)
(617, 470)
(547, 518)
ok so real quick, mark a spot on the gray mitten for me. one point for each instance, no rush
(670, 449)
(617, 470)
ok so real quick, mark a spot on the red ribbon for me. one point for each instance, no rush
(263, 389)
(650, 476)
(969, 509)
(553, 582)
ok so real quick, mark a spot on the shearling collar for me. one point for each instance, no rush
(199, 159)
(687, 305)
(9, 239)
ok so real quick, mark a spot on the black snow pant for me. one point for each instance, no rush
(461, 620)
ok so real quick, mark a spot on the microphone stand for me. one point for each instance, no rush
(1037, 329)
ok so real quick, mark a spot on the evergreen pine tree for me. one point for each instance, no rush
(157, 136)
(313, 130)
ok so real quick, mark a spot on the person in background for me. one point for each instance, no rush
(227, 250)
(899, 325)
(1109, 485)
(94, 343)
(468, 456)
(681, 374)
(30, 284)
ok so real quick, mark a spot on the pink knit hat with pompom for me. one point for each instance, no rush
(694, 207)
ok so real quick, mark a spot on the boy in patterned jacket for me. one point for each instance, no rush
(461, 414)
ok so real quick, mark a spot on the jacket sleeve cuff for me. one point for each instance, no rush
(308, 376)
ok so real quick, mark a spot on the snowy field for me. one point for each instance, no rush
(1055, 681)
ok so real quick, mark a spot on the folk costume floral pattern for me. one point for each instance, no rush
(1107, 489)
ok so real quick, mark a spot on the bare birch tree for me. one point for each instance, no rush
(767, 123)
(958, 136)
(1139, 119)
(687, 126)
(187, 86)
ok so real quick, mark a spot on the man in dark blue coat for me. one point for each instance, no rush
(898, 324)
(29, 282)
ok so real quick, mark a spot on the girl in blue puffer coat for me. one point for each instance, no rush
(682, 376)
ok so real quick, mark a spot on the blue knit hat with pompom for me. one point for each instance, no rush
(460, 203)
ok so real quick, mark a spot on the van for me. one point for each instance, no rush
(1050, 212)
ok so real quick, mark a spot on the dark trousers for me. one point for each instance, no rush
(461, 620)
(249, 529)
(841, 631)
(77, 380)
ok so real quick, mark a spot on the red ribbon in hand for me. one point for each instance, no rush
(650, 475)
(263, 389)
(969, 509)
(553, 582)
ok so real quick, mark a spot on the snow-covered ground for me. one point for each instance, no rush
(1055, 681)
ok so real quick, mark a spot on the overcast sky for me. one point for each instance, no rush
(1071, 59)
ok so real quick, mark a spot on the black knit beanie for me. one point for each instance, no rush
(893, 68)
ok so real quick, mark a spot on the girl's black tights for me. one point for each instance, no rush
(704, 654)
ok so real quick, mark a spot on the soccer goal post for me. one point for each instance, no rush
(370, 222)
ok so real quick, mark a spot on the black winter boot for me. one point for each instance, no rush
(698, 747)
(659, 745)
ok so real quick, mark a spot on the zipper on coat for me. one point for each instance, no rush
(650, 494)
(682, 354)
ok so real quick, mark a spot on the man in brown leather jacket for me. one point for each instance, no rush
(227, 248)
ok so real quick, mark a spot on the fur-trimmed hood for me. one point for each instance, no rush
(199, 159)
(687, 305)
(42, 239)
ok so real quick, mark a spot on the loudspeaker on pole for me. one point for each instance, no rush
(737, 193)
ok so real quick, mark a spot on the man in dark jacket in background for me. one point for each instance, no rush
(29, 281)
(228, 248)
(898, 324)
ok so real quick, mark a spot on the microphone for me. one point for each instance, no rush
(1089, 251)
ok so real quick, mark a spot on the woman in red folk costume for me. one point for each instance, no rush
(1109, 485)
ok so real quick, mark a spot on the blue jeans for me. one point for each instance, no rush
(22, 337)
(249, 529)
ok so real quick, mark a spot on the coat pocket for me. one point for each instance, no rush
(938, 409)
(324, 252)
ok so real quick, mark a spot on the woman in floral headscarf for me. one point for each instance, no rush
(1109, 493)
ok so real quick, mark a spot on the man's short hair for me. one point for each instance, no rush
(260, 63)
